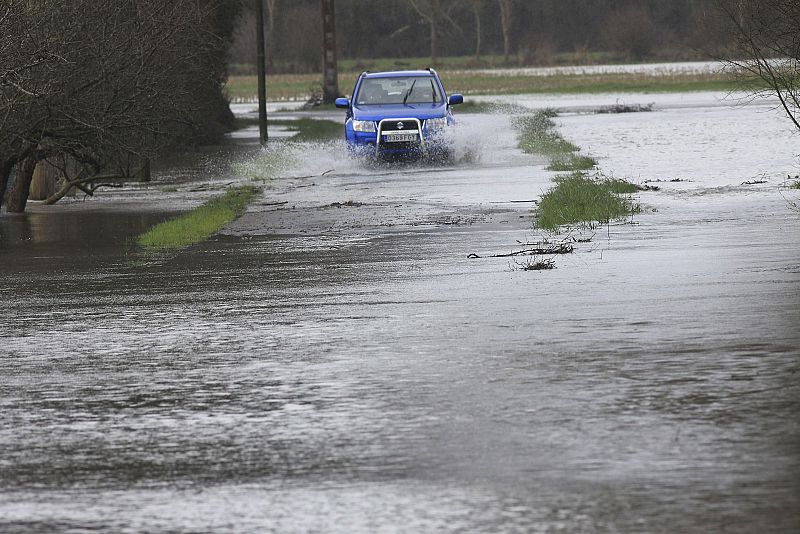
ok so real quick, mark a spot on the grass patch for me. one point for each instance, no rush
(571, 162)
(307, 129)
(312, 129)
(538, 135)
(240, 123)
(583, 200)
(200, 223)
(621, 187)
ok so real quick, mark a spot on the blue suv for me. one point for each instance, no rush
(403, 114)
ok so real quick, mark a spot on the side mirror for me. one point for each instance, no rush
(456, 99)
(342, 103)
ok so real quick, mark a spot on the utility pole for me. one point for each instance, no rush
(330, 84)
(262, 74)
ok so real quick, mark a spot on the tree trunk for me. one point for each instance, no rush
(18, 196)
(330, 88)
(434, 20)
(5, 172)
(44, 181)
(505, 23)
(476, 8)
(271, 14)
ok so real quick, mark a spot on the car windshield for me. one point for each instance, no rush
(401, 90)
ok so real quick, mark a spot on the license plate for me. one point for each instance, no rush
(400, 138)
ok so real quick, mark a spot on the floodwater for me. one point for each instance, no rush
(337, 364)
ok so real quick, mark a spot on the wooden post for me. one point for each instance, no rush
(262, 74)
(330, 84)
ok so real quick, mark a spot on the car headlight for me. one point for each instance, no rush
(363, 126)
(436, 124)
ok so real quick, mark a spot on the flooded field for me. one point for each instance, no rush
(337, 363)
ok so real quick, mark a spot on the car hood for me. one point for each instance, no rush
(399, 111)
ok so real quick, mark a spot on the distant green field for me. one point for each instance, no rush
(302, 86)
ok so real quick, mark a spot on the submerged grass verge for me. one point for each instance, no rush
(200, 223)
(571, 162)
(538, 135)
(312, 129)
(583, 200)
(306, 129)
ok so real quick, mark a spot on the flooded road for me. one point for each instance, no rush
(338, 364)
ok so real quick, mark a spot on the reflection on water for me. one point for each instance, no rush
(71, 230)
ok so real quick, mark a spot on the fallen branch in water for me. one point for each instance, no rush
(556, 248)
(626, 108)
(83, 183)
(517, 202)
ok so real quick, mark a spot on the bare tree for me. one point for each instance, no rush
(766, 34)
(98, 80)
(477, 7)
(272, 13)
(630, 29)
(436, 13)
(506, 18)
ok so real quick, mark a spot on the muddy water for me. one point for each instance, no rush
(327, 367)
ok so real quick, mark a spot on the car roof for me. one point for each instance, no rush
(399, 73)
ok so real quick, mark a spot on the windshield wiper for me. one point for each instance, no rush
(408, 93)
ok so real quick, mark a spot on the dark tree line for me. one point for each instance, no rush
(525, 32)
(87, 84)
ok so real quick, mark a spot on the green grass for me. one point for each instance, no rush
(307, 129)
(200, 223)
(538, 135)
(312, 129)
(620, 186)
(581, 200)
(575, 198)
(571, 162)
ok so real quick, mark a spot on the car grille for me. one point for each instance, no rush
(395, 125)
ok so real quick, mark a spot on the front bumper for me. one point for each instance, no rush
(398, 137)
